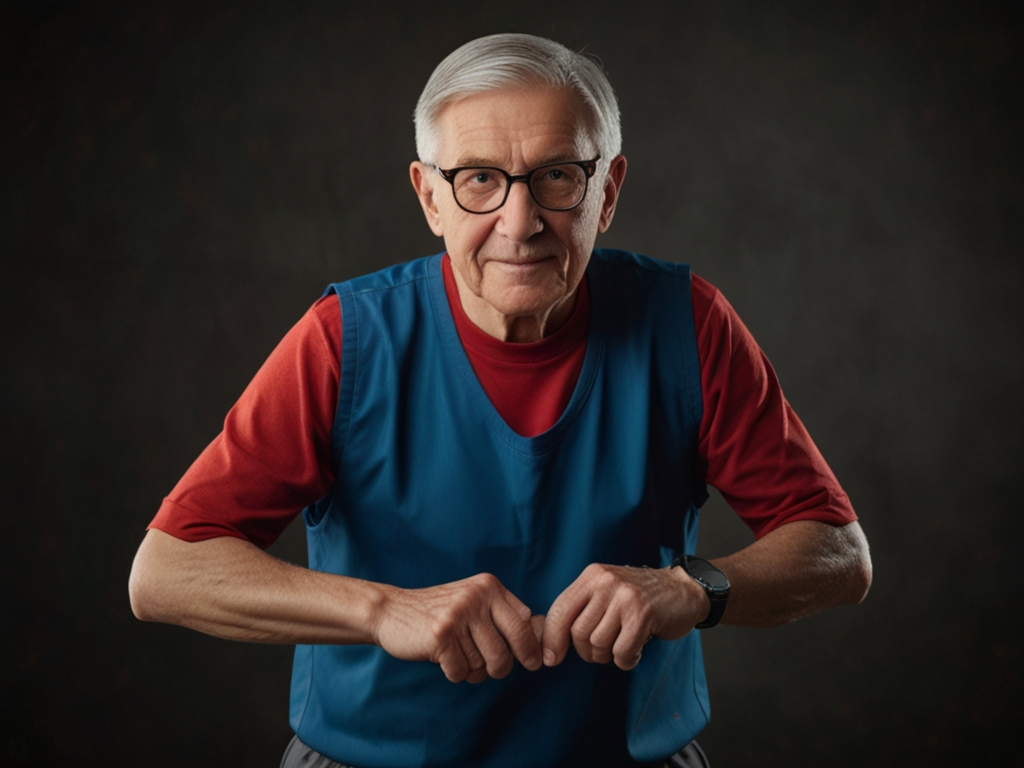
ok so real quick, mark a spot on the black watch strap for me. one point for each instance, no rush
(715, 583)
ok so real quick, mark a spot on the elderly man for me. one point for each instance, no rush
(501, 451)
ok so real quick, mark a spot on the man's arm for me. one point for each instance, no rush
(207, 570)
(229, 588)
(610, 612)
(796, 570)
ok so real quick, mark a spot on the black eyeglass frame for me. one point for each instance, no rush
(589, 169)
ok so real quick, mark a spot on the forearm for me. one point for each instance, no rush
(473, 628)
(231, 589)
(796, 570)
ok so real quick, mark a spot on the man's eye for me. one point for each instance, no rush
(555, 174)
(481, 177)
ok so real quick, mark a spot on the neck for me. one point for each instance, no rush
(517, 329)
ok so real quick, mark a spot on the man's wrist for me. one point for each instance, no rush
(711, 581)
(694, 595)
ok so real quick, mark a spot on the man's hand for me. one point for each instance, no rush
(610, 612)
(229, 588)
(800, 568)
(474, 628)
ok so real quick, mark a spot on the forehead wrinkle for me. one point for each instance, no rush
(484, 131)
(478, 161)
(534, 147)
(492, 145)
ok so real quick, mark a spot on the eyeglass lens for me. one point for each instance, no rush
(553, 186)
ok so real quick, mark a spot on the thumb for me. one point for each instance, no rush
(537, 622)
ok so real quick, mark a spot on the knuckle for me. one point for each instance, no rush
(607, 579)
(442, 629)
(486, 581)
(631, 591)
(596, 571)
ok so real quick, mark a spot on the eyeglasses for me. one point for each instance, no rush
(556, 186)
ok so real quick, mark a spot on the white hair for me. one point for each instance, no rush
(512, 60)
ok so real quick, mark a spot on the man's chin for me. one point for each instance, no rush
(526, 301)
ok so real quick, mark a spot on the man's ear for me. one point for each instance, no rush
(423, 182)
(612, 187)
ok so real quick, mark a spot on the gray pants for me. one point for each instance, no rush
(299, 755)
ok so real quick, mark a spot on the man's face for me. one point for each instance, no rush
(518, 266)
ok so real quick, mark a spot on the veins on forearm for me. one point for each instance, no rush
(795, 571)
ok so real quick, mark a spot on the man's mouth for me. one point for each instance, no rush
(521, 262)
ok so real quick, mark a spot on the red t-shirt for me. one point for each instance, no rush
(272, 458)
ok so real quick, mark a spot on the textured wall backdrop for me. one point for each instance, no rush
(182, 180)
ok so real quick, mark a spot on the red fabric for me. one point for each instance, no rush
(273, 457)
(758, 454)
(529, 384)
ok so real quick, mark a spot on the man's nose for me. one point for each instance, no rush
(519, 218)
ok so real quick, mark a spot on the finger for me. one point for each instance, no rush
(495, 653)
(453, 663)
(518, 634)
(604, 636)
(475, 661)
(559, 621)
(583, 629)
(630, 645)
(537, 622)
(518, 606)
(628, 662)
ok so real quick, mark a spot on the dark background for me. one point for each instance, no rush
(181, 182)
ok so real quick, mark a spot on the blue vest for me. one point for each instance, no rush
(433, 486)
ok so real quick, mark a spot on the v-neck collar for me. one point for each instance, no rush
(546, 441)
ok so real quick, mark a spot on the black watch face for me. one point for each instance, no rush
(707, 573)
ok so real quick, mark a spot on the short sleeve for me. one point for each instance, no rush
(757, 452)
(272, 458)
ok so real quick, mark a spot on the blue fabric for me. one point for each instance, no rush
(433, 486)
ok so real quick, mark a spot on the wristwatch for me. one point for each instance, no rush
(715, 583)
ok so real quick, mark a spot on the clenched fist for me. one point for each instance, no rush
(611, 611)
(474, 628)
